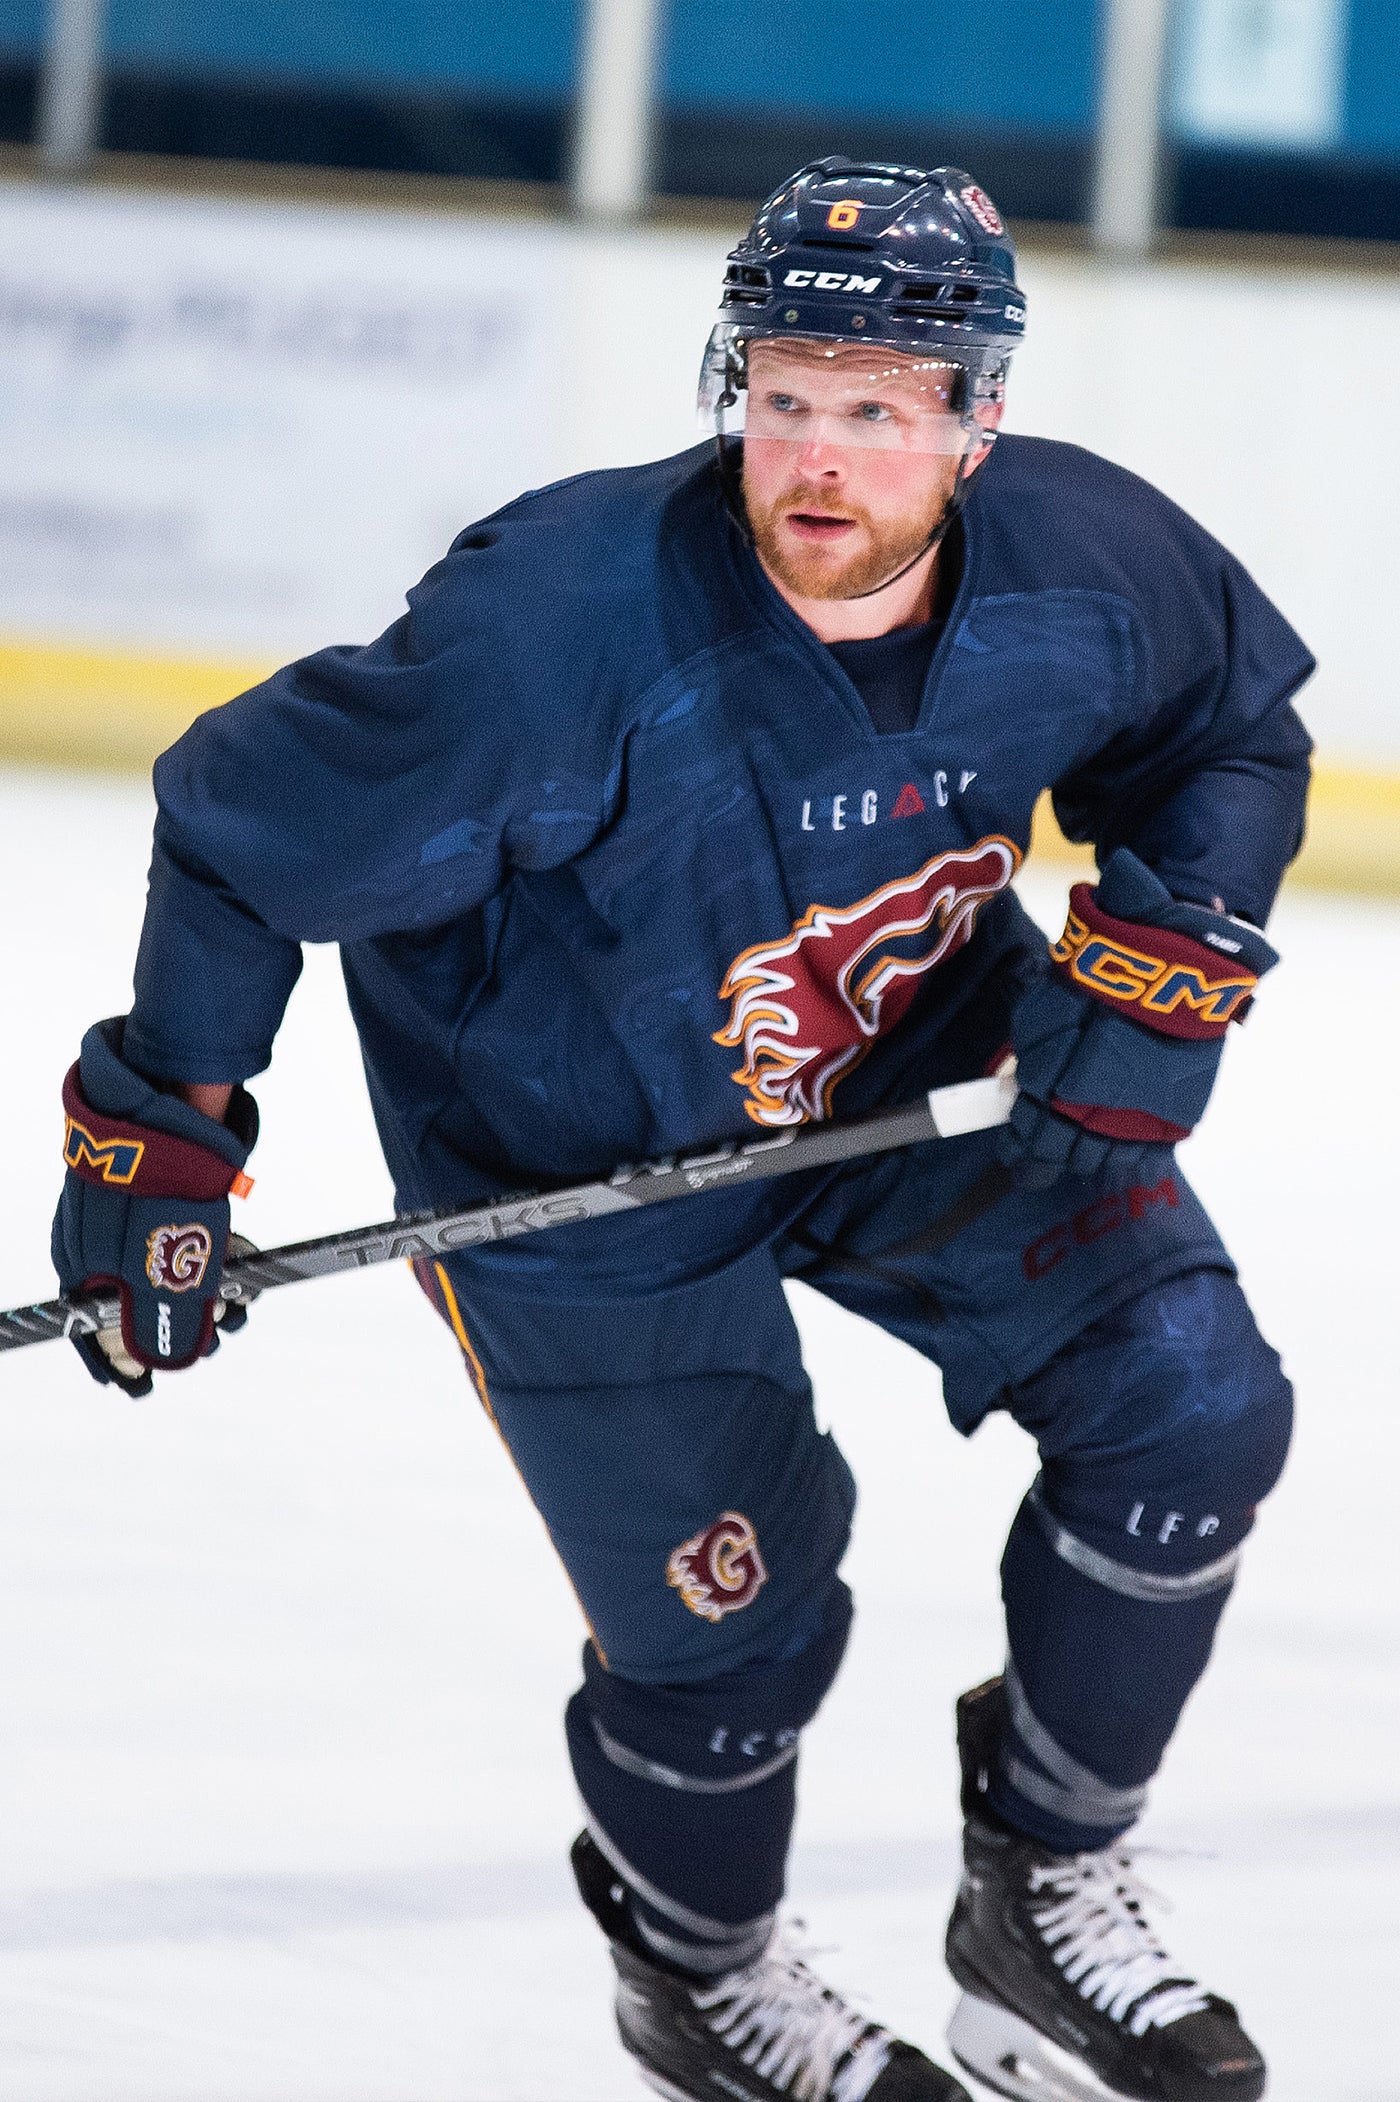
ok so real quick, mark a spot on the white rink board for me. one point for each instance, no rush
(284, 1649)
(243, 429)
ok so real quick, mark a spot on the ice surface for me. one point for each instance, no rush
(283, 1649)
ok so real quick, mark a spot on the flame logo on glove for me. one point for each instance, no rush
(809, 1006)
(178, 1256)
(720, 1569)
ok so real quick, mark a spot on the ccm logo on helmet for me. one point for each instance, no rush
(832, 281)
(720, 1569)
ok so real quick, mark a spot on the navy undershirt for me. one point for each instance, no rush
(888, 672)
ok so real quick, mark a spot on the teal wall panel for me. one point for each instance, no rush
(1373, 78)
(1023, 62)
(527, 49)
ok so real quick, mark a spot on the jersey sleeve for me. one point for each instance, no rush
(1208, 783)
(358, 792)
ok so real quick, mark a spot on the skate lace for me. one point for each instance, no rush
(1099, 1938)
(799, 2034)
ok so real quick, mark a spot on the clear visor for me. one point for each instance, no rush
(806, 391)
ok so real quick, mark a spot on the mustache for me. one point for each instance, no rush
(813, 507)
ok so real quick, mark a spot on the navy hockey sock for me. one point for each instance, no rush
(690, 1791)
(1160, 1429)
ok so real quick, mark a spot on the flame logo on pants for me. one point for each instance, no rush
(808, 1007)
(720, 1569)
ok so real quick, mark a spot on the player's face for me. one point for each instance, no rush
(850, 458)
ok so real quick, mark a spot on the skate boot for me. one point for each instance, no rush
(1068, 1996)
(771, 2032)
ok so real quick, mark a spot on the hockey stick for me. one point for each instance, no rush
(948, 1112)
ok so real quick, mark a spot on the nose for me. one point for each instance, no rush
(819, 460)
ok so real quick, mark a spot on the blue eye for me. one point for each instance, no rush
(783, 403)
(871, 411)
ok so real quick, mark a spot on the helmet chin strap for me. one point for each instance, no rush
(949, 513)
(729, 453)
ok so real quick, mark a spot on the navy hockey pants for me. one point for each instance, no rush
(666, 1433)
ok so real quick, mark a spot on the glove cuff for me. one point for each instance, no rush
(117, 1089)
(120, 1154)
(1133, 1127)
(1163, 979)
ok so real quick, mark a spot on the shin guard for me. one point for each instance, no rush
(1160, 1431)
(690, 1791)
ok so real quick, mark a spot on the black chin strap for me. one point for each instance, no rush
(729, 453)
(950, 512)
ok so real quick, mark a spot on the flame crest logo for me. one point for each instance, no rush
(807, 1008)
(178, 1256)
(719, 1570)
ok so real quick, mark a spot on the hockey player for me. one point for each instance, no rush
(687, 798)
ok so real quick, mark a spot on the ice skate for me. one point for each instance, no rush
(1068, 1996)
(771, 2032)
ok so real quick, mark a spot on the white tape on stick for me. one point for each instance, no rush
(973, 1105)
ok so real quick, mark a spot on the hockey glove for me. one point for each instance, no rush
(1117, 1045)
(144, 1211)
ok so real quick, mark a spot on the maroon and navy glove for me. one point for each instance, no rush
(144, 1211)
(1117, 1045)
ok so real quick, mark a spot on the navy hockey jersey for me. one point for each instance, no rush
(617, 860)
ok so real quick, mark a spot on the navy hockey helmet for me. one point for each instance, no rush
(857, 252)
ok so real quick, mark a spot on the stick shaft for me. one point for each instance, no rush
(973, 1105)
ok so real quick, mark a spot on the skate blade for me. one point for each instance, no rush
(1007, 2054)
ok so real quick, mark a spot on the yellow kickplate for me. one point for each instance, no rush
(1353, 838)
(105, 708)
(110, 708)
